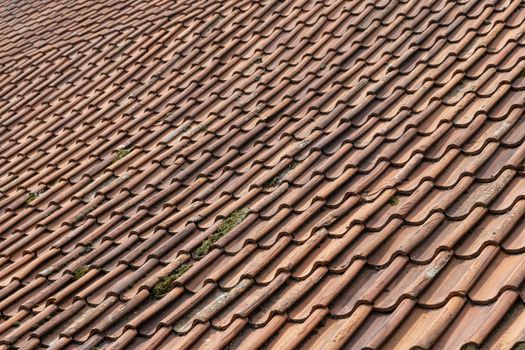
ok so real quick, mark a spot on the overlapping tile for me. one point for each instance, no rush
(262, 174)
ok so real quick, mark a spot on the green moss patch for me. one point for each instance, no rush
(121, 154)
(280, 177)
(165, 284)
(470, 347)
(31, 197)
(272, 182)
(522, 73)
(53, 183)
(231, 221)
(80, 272)
(393, 201)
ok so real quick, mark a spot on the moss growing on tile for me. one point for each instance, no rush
(272, 182)
(165, 283)
(470, 347)
(78, 219)
(80, 272)
(31, 197)
(121, 154)
(279, 178)
(231, 221)
(522, 73)
(393, 201)
(203, 127)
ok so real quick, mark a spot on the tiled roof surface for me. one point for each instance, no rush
(248, 174)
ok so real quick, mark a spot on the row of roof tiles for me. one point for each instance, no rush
(320, 174)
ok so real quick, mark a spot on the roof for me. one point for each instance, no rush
(262, 174)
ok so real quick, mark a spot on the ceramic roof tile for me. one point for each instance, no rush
(262, 174)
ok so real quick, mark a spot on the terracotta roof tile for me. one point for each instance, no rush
(262, 174)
